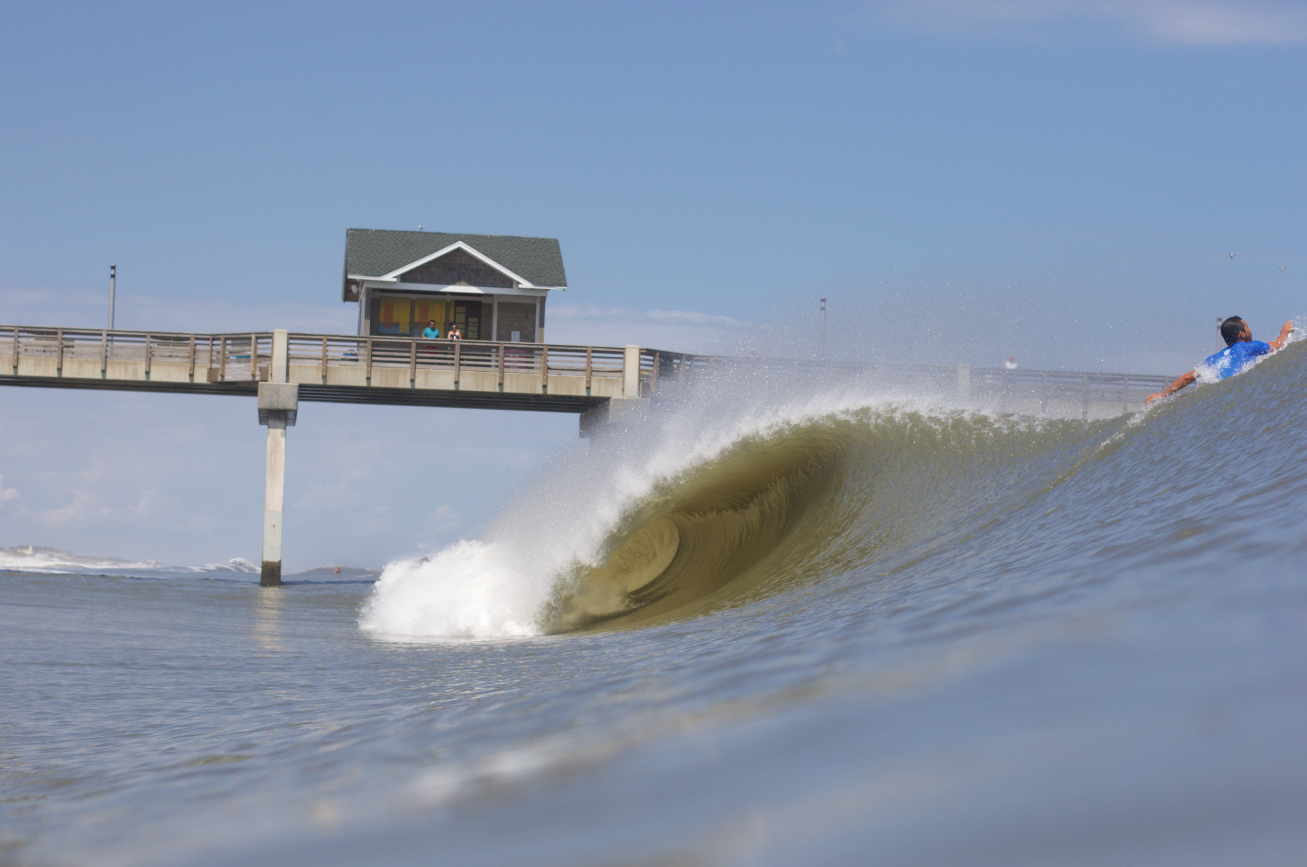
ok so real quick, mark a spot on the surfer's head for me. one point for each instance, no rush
(1235, 330)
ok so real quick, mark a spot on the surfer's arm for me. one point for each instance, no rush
(1278, 343)
(1180, 382)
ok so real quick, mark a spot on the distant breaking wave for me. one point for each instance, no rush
(724, 501)
(53, 560)
(37, 559)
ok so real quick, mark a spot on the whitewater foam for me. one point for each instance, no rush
(469, 590)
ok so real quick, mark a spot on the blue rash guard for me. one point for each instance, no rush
(1235, 358)
(431, 332)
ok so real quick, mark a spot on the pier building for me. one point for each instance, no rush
(494, 287)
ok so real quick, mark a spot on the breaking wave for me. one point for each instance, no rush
(725, 500)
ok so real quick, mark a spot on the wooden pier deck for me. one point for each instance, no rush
(341, 369)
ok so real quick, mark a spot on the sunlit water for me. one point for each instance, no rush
(843, 626)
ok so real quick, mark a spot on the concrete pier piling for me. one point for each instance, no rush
(278, 408)
(272, 503)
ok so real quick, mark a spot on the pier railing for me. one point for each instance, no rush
(241, 356)
(244, 357)
(237, 356)
(458, 356)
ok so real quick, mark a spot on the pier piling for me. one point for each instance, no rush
(278, 408)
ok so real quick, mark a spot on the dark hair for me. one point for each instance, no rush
(1230, 329)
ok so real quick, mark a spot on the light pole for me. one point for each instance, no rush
(113, 276)
(821, 338)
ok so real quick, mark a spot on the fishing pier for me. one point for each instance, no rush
(600, 384)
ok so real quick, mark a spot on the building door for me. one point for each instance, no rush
(467, 314)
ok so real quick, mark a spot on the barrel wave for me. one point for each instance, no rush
(723, 501)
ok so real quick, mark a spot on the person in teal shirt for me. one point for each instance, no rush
(1240, 350)
(431, 330)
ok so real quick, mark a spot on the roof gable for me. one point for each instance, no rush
(498, 275)
(385, 253)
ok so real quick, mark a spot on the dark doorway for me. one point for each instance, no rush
(467, 315)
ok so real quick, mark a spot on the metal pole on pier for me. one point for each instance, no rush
(821, 341)
(113, 276)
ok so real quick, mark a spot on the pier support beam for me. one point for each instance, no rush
(278, 408)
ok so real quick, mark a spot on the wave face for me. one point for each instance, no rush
(748, 490)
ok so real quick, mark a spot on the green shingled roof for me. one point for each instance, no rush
(374, 252)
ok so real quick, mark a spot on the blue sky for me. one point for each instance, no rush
(962, 179)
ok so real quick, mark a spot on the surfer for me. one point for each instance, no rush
(1240, 349)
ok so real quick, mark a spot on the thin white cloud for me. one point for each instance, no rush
(77, 308)
(692, 316)
(82, 507)
(1175, 22)
(675, 330)
(445, 520)
(7, 493)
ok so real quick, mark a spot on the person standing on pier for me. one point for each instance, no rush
(1240, 350)
(454, 332)
(431, 331)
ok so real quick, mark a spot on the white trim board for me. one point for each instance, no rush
(451, 289)
(459, 245)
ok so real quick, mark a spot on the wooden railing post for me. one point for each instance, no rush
(104, 351)
(190, 366)
(588, 368)
(59, 352)
(501, 367)
(367, 360)
(147, 355)
(222, 360)
(458, 358)
(413, 363)
(544, 369)
(323, 370)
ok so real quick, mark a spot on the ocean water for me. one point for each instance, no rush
(846, 624)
